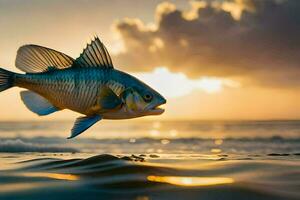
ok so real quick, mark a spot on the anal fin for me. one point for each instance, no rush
(83, 123)
(37, 103)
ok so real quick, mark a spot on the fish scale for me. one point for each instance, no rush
(76, 89)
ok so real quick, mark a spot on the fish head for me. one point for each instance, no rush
(142, 100)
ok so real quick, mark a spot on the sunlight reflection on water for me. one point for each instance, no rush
(14, 187)
(191, 181)
(67, 177)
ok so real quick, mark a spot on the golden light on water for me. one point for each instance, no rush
(218, 141)
(191, 181)
(132, 140)
(165, 141)
(26, 186)
(13, 187)
(67, 177)
(215, 150)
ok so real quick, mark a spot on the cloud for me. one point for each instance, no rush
(18, 145)
(255, 40)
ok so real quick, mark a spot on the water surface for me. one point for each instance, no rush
(151, 160)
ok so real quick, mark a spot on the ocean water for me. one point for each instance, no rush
(166, 137)
(145, 160)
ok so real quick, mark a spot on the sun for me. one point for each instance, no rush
(172, 84)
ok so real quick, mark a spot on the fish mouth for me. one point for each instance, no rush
(158, 109)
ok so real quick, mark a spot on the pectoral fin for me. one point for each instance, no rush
(126, 92)
(108, 100)
(83, 123)
(130, 99)
(37, 103)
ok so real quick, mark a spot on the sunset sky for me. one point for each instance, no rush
(214, 59)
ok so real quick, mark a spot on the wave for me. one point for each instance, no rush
(18, 145)
(254, 145)
(116, 177)
(61, 140)
(197, 129)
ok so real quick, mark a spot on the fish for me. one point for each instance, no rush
(89, 85)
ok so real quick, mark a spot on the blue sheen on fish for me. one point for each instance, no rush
(89, 85)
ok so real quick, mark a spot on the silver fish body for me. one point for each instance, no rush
(88, 85)
(78, 89)
(74, 89)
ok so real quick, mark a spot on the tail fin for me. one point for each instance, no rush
(6, 79)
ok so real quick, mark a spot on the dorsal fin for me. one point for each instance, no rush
(35, 59)
(95, 55)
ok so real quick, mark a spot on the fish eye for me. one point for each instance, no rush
(148, 97)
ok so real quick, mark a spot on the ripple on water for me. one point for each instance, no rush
(105, 174)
